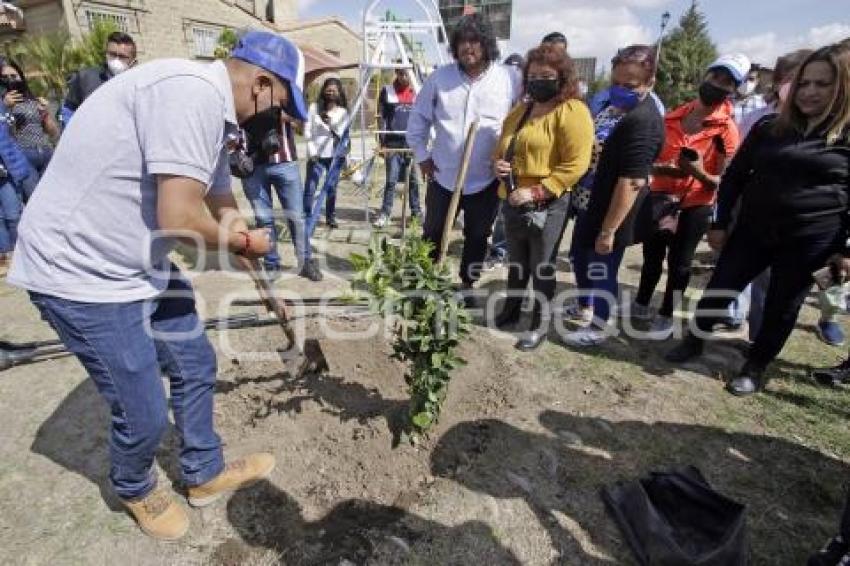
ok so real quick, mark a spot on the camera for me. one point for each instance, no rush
(271, 144)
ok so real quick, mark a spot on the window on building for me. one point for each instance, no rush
(120, 20)
(205, 40)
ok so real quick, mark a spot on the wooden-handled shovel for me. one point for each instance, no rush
(458, 192)
(313, 355)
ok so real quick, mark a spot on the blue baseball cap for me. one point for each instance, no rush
(277, 55)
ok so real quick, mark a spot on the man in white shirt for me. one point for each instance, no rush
(475, 87)
(143, 163)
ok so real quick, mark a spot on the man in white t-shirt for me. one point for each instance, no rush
(144, 162)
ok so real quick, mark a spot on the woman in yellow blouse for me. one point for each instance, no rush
(544, 150)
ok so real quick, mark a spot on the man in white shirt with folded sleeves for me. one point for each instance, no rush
(475, 87)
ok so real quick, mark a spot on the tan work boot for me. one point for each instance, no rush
(237, 474)
(159, 516)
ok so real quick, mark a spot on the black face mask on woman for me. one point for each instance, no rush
(711, 94)
(543, 90)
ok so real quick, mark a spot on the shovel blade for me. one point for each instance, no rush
(308, 360)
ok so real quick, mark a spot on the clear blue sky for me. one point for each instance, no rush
(760, 28)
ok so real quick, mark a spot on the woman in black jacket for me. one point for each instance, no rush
(792, 176)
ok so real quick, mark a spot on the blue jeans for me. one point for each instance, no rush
(397, 164)
(597, 276)
(499, 241)
(10, 216)
(126, 347)
(285, 178)
(39, 158)
(316, 169)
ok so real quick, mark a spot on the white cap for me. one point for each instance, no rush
(737, 64)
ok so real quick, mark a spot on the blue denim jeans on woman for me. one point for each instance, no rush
(39, 158)
(10, 216)
(397, 165)
(285, 178)
(126, 348)
(597, 279)
(316, 170)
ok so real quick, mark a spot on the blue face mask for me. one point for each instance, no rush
(623, 98)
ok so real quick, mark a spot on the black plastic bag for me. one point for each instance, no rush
(676, 519)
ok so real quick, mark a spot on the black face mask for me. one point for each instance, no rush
(16, 85)
(711, 94)
(543, 90)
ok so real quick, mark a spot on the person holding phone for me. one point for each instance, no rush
(792, 178)
(700, 137)
(33, 126)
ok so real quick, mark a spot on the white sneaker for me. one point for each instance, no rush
(576, 313)
(381, 221)
(661, 329)
(585, 337)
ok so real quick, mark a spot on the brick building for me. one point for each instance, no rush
(182, 28)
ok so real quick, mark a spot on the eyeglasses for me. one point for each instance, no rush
(14, 77)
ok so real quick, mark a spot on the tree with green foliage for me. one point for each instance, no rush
(226, 42)
(429, 321)
(685, 55)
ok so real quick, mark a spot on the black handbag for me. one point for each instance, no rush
(665, 209)
(675, 518)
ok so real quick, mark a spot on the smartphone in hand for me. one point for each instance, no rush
(689, 154)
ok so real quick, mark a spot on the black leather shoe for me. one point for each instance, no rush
(332, 223)
(311, 271)
(688, 349)
(833, 377)
(749, 381)
(466, 295)
(531, 340)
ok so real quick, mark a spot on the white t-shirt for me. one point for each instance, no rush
(320, 134)
(89, 233)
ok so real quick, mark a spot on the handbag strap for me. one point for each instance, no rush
(509, 153)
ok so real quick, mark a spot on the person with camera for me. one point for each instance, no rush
(146, 166)
(273, 165)
(700, 138)
(323, 131)
(544, 149)
(33, 127)
(629, 136)
(792, 178)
